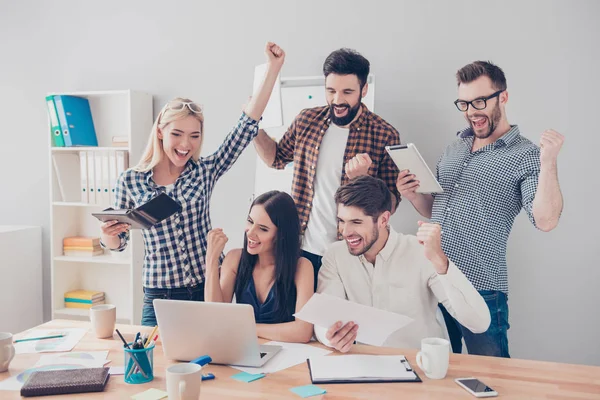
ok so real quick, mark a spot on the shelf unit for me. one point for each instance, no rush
(118, 275)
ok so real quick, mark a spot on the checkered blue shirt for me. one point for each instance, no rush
(483, 193)
(175, 248)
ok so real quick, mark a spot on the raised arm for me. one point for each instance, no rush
(219, 285)
(247, 127)
(449, 285)
(548, 201)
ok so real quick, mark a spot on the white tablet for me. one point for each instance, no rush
(406, 156)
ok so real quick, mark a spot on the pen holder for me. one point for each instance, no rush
(139, 364)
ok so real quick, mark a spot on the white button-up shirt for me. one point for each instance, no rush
(403, 281)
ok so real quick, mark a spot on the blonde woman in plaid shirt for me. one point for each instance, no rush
(174, 262)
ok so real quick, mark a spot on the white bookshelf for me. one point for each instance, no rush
(118, 275)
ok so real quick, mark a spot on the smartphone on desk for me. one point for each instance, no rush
(476, 387)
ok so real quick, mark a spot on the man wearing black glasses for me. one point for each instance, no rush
(488, 174)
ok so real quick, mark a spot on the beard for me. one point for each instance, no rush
(345, 120)
(367, 246)
(492, 120)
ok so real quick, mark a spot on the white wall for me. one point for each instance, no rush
(207, 51)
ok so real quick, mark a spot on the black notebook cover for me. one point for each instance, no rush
(145, 216)
(65, 381)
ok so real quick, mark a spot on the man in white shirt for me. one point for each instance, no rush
(406, 274)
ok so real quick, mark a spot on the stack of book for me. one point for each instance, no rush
(82, 246)
(83, 298)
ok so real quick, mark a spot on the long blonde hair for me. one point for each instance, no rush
(154, 152)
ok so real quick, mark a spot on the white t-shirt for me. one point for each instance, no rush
(321, 229)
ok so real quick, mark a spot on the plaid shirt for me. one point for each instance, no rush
(483, 193)
(300, 144)
(175, 248)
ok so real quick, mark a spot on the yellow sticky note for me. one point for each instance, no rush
(150, 394)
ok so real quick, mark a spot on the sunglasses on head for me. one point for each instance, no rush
(180, 105)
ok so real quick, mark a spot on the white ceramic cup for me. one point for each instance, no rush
(7, 350)
(103, 317)
(434, 357)
(183, 381)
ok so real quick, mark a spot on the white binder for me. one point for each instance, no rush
(83, 174)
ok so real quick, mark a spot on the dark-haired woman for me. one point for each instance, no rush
(268, 272)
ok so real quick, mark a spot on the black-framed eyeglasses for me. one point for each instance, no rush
(478, 104)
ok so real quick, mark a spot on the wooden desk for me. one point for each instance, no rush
(512, 378)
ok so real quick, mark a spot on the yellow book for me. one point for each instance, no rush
(80, 305)
(81, 241)
(88, 248)
(84, 294)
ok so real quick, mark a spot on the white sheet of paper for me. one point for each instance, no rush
(76, 355)
(66, 343)
(273, 114)
(374, 325)
(117, 370)
(290, 355)
(359, 366)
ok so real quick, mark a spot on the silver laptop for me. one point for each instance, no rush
(224, 331)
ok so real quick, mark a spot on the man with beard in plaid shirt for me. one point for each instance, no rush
(329, 146)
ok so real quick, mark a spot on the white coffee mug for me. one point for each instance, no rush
(183, 381)
(103, 317)
(434, 357)
(7, 350)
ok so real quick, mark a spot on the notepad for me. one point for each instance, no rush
(308, 391)
(360, 368)
(246, 377)
(145, 216)
(43, 383)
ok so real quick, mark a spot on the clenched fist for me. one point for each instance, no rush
(358, 165)
(275, 55)
(430, 236)
(215, 243)
(550, 144)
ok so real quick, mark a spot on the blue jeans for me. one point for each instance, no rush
(316, 262)
(195, 293)
(494, 341)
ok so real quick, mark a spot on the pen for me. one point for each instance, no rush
(39, 338)
(150, 336)
(132, 356)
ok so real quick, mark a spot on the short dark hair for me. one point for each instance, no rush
(472, 71)
(347, 62)
(368, 193)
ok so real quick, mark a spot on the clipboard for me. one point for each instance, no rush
(405, 372)
(406, 156)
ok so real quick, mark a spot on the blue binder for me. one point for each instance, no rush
(76, 121)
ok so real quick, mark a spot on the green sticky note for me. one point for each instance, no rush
(150, 394)
(246, 377)
(308, 390)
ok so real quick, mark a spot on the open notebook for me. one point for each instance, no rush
(145, 216)
(360, 369)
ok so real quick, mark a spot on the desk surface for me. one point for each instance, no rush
(511, 378)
